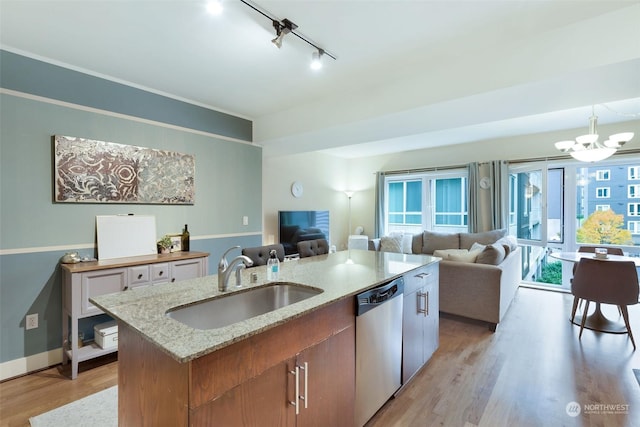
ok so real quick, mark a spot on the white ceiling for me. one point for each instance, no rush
(409, 74)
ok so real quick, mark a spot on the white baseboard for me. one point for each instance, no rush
(24, 365)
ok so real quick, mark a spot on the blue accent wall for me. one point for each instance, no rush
(35, 231)
(35, 77)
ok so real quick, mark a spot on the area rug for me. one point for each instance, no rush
(637, 374)
(96, 410)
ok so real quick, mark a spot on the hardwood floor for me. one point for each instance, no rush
(525, 374)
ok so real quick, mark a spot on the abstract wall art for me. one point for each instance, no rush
(90, 171)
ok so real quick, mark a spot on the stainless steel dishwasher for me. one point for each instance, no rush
(378, 347)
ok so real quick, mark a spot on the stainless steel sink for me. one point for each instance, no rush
(226, 310)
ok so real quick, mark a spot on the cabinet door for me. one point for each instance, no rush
(329, 393)
(432, 320)
(187, 269)
(412, 335)
(261, 401)
(100, 282)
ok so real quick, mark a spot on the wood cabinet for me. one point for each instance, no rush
(249, 383)
(86, 280)
(420, 322)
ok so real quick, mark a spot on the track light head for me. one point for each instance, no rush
(316, 62)
(282, 28)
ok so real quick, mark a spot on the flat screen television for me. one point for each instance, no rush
(296, 226)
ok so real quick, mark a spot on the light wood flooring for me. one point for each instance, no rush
(525, 374)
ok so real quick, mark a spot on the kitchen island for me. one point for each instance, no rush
(291, 366)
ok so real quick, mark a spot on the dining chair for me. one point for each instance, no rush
(606, 282)
(308, 248)
(260, 254)
(590, 249)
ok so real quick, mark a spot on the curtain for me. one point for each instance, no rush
(499, 194)
(379, 214)
(473, 211)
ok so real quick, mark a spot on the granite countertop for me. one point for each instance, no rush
(340, 275)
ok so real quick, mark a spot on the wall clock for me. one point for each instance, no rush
(297, 189)
(485, 183)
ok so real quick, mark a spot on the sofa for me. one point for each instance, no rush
(479, 272)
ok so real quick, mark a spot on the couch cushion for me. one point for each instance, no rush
(492, 254)
(468, 239)
(391, 244)
(433, 241)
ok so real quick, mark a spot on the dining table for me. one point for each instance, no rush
(597, 321)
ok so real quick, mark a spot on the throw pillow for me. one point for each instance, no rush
(485, 238)
(432, 241)
(446, 254)
(391, 244)
(477, 247)
(469, 256)
(510, 244)
(492, 255)
(406, 240)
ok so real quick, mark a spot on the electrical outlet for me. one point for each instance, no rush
(245, 220)
(32, 321)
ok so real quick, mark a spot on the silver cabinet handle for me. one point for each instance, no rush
(305, 368)
(296, 403)
(424, 310)
(423, 275)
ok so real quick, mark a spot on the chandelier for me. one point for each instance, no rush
(586, 148)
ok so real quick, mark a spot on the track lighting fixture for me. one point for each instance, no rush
(284, 27)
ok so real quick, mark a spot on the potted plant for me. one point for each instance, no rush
(164, 245)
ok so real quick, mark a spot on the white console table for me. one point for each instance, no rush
(84, 280)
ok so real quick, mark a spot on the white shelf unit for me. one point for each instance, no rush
(89, 279)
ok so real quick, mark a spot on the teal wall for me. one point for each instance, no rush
(35, 232)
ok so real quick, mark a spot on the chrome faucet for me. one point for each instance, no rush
(226, 268)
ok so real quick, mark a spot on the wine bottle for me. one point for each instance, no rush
(184, 241)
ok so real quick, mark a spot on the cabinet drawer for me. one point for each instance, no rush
(418, 278)
(100, 283)
(138, 275)
(160, 272)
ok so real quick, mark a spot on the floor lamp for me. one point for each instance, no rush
(349, 195)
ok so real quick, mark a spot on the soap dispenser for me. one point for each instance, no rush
(273, 266)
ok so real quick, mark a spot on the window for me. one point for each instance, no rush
(430, 201)
(602, 192)
(633, 191)
(634, 172)
(450, 201)
(602, 175)
(405, 203)
(634, 227)
(603, 208)
(633, 209)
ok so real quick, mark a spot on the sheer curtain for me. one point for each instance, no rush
(379, 215)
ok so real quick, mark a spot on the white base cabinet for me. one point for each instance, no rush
(85, 280)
